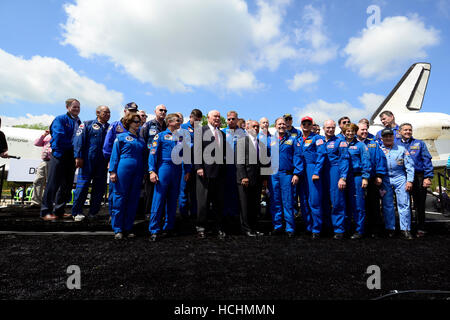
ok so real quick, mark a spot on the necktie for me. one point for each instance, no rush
(216, 137)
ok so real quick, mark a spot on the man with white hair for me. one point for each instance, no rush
(210, 172)
(264, 127)
(148, 132)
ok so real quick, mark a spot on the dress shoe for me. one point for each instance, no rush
(420, 234)
(250, 234)
(201, 235)
(49, 217)
(407, 235)
(338, 236)
(153, 237)
(131, 235)
(356, 236)
(63, 216)
(290, 234)
(315, 236)
(221, 234)
(118, 236)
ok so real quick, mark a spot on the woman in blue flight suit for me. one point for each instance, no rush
(290, 169)
(357, 179)
(126, 168)
(165, 173)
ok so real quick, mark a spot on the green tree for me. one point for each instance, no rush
(223, 122)
(36, 126)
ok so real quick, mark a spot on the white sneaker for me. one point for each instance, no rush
(79, 217)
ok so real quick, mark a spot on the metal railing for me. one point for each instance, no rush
(2, 178)
(441, 197)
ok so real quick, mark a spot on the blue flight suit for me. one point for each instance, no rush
(420, 155)
(378, 170)
(335, 167)
(377, 158)
(400, 171)
(340, 136)
(231, 205)
(187, 200)
(114, 129)
(148, 131)
(371, 136)
(359, 169)
(127, 161)
(281, 189)
(423, 168)
(88, 145)
(397, 135)
(169, 174)
(62, 165)
(295, 132)
(310, 192)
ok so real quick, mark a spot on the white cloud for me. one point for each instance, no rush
(302, 80)
(320, 48)
(321, 110)
(244, 80)
(383, 50)
(43, 119)
(182, 44)
(49, 80)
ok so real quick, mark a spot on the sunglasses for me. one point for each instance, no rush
(231, 119)
(162, 110)
(306, 123)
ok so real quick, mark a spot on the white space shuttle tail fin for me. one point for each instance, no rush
(408, 94)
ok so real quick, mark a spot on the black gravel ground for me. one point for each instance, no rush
(237, 268)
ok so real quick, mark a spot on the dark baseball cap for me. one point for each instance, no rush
(287, 116)
(132, 106)
(386, 132)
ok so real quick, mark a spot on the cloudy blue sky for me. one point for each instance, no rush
(261, 58)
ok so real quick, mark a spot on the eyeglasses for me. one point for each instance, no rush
(162, 110)
(143, 116)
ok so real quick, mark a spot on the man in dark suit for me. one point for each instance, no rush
(209, 165)
(249, 179)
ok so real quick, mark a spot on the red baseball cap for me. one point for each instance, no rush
(307, 119)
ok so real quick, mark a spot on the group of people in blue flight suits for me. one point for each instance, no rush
(339, 183)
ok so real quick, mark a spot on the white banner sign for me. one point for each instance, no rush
(22, 170)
